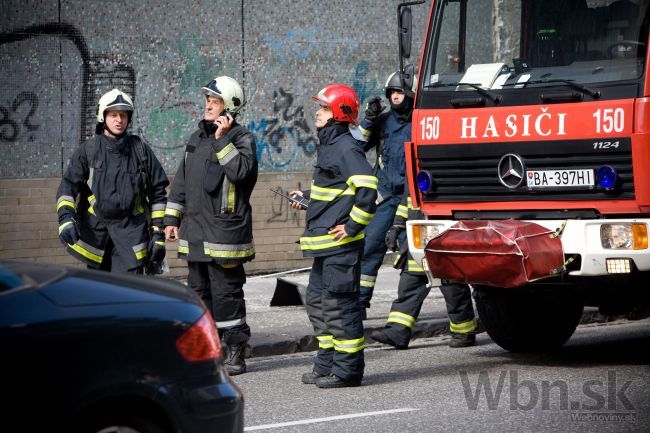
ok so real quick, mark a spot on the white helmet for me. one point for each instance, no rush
(114, 100)
(227, 89)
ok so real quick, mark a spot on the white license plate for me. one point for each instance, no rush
(583, 178)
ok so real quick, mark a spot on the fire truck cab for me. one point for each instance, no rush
(539, 111)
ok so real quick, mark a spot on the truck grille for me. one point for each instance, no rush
(469, 172)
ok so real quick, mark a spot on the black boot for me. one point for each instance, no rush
(332, 381)
(462, 340)
(234, 362)
(311, 377)
(381, 336)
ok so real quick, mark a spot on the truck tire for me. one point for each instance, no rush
(526, 319)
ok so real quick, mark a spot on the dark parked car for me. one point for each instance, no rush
(86, 351)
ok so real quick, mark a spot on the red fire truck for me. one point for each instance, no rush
(534, 111)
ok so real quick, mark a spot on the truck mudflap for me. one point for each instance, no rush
(503, 253)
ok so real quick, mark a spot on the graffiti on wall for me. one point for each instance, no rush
(284, 137)
(76, 61)
(301, 44)
(282, 212)
(281, 136)
(16, 119)
(169, 124)
(35, 94)
(364, 86)
(175, 118)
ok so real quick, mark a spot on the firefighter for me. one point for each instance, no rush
(210, 214)
(342, 204)
(386, 132)
(413, 289)
(111, 200)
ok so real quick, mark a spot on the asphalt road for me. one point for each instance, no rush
(598, 382)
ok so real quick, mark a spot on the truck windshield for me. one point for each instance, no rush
(519, 44)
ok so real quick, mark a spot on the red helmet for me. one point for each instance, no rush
(342, 100)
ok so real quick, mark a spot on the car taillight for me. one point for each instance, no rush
(201, 341)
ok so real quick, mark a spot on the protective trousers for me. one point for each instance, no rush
(411, 293)
(460, 309)
(375, 247)
(221, 289)
(113, 262)
(335, 313)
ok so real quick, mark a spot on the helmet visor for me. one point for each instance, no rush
(320, 101)
(118, 108)
(211, 89)
(119, 103)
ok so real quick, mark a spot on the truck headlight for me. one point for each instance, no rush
(423, 233)
(624, 236)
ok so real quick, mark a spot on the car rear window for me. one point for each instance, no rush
(16, 275)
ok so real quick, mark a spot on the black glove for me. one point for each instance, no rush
(156, 250)
(374, 108)
(69, 231)
(391, 237)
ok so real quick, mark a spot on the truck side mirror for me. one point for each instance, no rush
(405, 31)
(404, 27)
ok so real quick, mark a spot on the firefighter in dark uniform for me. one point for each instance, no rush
(102, 203)
(386, 132)
(413, 288)
(342, 204)
(210, 213)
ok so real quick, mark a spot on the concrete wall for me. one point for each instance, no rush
(63, 54)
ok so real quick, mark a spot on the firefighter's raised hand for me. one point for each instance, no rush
(171, 233)
(374, 108)
(223, 123)
(338, 232)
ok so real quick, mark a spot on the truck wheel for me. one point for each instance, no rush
(528, 320)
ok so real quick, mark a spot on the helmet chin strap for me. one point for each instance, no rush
(114, 134)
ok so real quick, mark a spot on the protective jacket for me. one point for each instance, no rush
(343, 191)
(102, 189)
(406, 211)
(388, 133)
(210, 196)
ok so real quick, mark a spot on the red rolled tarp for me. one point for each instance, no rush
(502, 253)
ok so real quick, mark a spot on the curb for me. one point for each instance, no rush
(264, 345)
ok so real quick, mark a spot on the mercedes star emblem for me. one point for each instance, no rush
(511, 170)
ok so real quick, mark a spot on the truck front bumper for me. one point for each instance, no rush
(580, 238)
